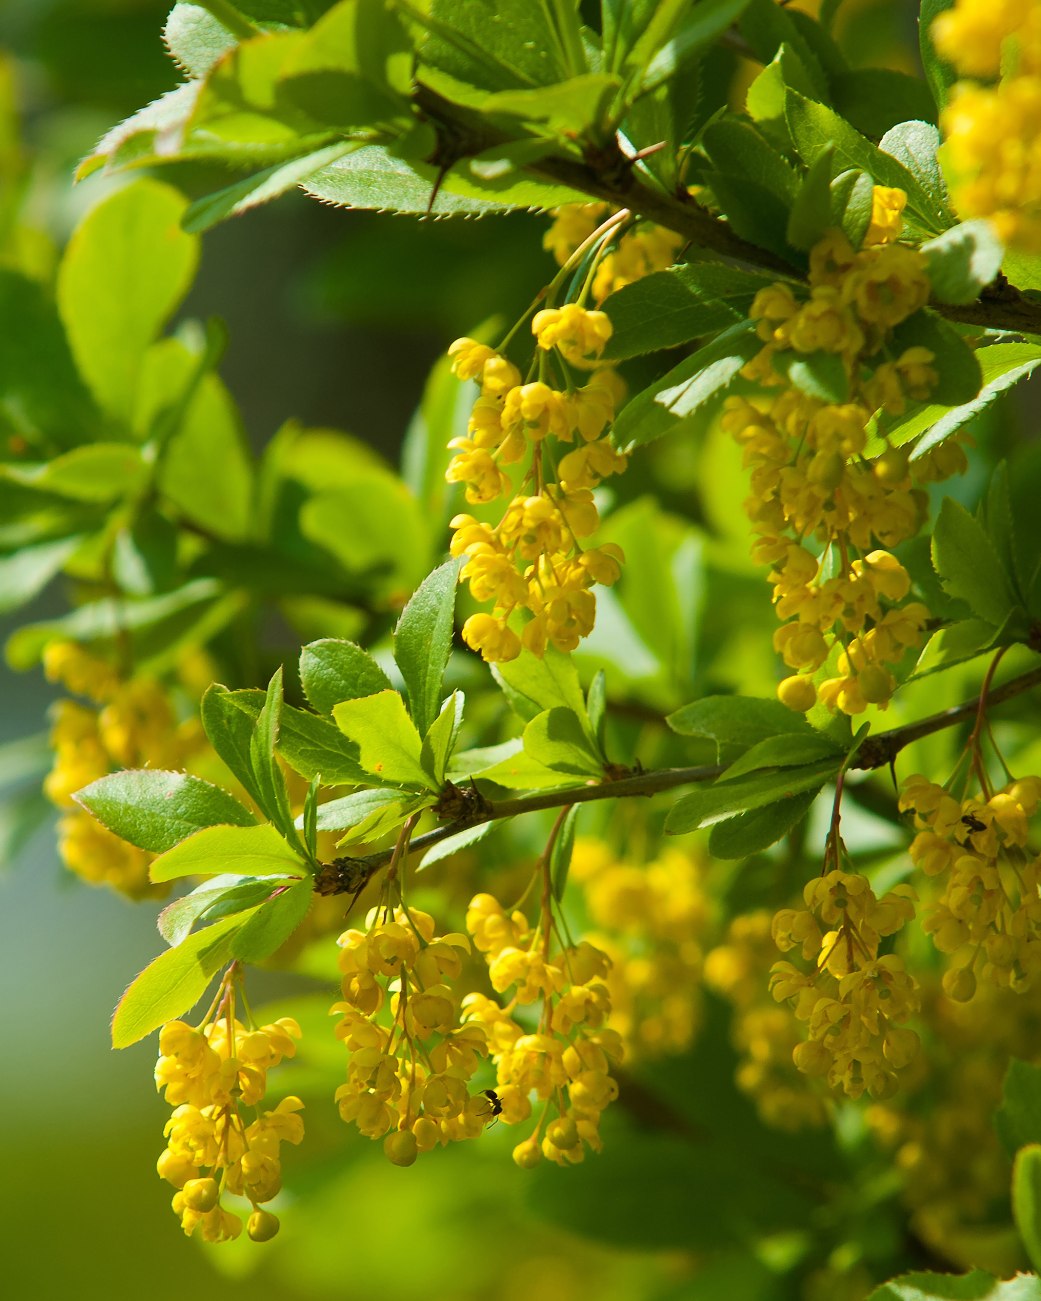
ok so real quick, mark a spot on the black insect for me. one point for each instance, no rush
(495, 1103)
(973, 823)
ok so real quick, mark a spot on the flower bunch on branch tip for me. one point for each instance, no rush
(219, 1140)
(825, 515)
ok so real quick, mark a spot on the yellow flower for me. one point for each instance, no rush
(887, 205)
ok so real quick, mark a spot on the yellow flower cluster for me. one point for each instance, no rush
(818, 506)
(533, 559)
(764, 1034)
(650, 919)
(852, 1001)
(129, 724)
(636, 253)
(215, 1077)
(993, 132)
(988, 912)
(408, 1071)
(565, 1060)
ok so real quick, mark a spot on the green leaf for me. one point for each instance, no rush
(332, 670)
(1026, 1199)
(596, 707)
(753, 210)
(1002, 365)
(1018, 1119)
(174, 982)
(373, 177)
(738, 148)
(442, 736)
(769, 30)
(577, 106)
(968, 565)
(671, 403)
(247, 851)
(523, 772)
(155, 810)
(230, 732)
(195, 39)
(963, 261)
(98, 472)
(533, 685)
(957, 367)
(455, 843)
(788, 750)
(390, 748)
(27, 572)
(273, 922)
(914, 145)
(815, 128)
(764, 101)
(811, 212)
(310, 745)
(976, 1286)
(940, 75)
(351, 810)
(381, 822)
(263, 742)
(750, 833)
(423, 642)
(737, 723)
(725, 799)
(563, 848)
(37, 375)
(270, 183)
(558, 739)
(851, 203)
(126, 269)
(212, 901)
(671, 307)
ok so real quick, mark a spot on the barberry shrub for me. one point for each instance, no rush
(656, 797)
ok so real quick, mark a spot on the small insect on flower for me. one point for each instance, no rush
(495, 1105)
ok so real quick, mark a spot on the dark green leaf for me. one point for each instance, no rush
(811, 212)
(671, 402)
(818, 374)
(750, 833)
(696, 31)
(712, 803)
(737, 148)
(876, 99)
(736, 723)
(754, 212)
(938, 73)
(851, 203)
(310, 745)
(154, 810)
(423, 642)
(453, 844)
(968, 565)
(671, 307)
(563, 848)
(788, 750)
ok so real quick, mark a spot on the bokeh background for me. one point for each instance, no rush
(335, 319)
